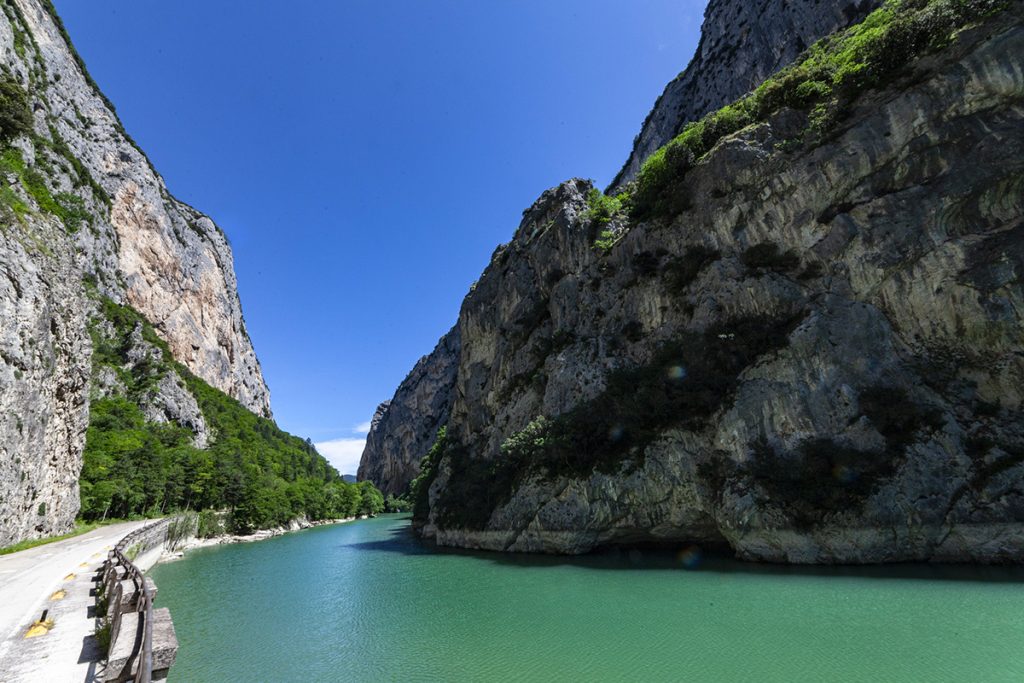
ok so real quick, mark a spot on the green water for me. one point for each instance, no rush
(365, 601)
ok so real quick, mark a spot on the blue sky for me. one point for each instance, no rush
(366, 157)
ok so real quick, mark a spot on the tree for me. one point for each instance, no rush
(372, 499)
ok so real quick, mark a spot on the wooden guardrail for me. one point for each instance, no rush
(131, 614)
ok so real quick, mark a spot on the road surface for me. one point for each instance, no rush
(28, 581)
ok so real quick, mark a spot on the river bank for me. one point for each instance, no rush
(193, 542)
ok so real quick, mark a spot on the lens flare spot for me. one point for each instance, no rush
(844, 474)
(677, 372)
(690, 557)
(616, 432)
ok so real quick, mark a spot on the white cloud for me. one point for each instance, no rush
(343, 453)
(362, 428)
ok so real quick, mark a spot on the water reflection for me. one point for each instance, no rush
(692, 557)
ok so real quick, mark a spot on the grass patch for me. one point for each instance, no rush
(103, 636)
(80, 528)
(83, 178)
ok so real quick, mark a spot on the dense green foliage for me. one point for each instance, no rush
(420, 486)
(132, 466)
(601, 208)
(823, 83)
(684, 383)
(395, 503)
(15, 115)
(211, 524)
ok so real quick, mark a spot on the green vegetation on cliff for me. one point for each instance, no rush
(822, 83)
(15, 114)
(137, 466)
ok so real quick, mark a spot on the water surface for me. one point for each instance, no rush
(366, 601)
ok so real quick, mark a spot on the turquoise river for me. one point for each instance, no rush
(366, 601)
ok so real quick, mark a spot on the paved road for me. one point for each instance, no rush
(27, 580)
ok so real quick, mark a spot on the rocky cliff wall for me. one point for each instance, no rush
(84, 215)
(818, 359)
(160, 256)
(741, 44)
(404, 427)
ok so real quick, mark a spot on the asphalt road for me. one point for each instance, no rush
(29, 577)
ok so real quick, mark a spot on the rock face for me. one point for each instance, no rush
(741, 44)
(120, 235)
(44, 381)
(404, 428)
(152, 252)
(819, 361)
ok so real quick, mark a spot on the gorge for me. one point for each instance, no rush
(751, 408)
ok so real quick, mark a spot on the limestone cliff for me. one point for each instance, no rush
(404, 427)
(84, 211)
(812, 351)
(741, 44)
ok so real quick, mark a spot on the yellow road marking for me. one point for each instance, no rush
(69, 577)
(39, 628)
(59, 595)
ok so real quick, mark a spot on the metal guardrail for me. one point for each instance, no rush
(144, 603)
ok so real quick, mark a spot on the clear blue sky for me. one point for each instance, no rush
(366, 157)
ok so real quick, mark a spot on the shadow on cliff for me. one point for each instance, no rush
(691, 558)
